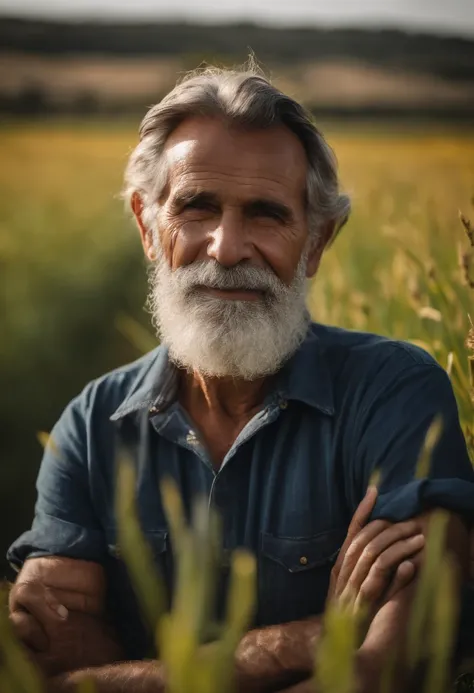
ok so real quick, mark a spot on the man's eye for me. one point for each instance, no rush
(199, 204)
(268, 214)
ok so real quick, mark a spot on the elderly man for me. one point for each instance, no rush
(280, 422)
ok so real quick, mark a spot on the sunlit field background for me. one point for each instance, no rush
(73, 286)
(74, 283)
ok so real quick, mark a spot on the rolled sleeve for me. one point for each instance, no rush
(65, 522)
(51, 536)
(391, 439)
(456, 495)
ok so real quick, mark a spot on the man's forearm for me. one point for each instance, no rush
(267, 660)
(139, 677)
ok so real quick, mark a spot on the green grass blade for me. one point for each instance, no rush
(141, 338)
(6, 683)
(443, 629)
(137, 554)
(174, 511)
(426, 589)
(86, 686)
(241, 600)
(336, 653)
(18, 670)
(430, 442)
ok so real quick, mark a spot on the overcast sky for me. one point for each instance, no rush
(442, 15)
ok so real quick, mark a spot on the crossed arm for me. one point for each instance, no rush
(58, 608)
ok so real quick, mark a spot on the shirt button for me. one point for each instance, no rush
(153, 411)
(283, 404)
(303, 560)
(115, 550)
(191, 438)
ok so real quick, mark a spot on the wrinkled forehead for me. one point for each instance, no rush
(205, 150)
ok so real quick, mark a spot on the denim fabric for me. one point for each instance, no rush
(345, 404)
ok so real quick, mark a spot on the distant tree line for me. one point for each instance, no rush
(448, 57)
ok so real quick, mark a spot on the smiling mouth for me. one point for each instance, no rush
(233, 294)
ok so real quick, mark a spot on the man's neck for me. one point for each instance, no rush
(229, 398)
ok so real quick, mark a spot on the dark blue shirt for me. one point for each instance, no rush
(345, 404)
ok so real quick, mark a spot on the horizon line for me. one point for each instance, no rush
(372, 25)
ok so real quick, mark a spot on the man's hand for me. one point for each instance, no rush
(377, 559)
(382, 556)
(31, 605)
(57, 610)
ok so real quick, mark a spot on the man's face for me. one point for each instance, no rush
(234, 196)
(228, 288)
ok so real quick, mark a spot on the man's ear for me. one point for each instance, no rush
(317, 247)
(136, 203)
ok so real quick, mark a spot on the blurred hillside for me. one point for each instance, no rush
(92, 68)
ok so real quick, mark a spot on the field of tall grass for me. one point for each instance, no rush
(73, 286)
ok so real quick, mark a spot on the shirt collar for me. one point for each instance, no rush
(304, 377)
(154, 388)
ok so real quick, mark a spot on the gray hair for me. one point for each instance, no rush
(247, 99)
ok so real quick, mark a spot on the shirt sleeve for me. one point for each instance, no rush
(65, 523)
(391, 435)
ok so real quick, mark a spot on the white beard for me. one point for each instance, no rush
(223, 337)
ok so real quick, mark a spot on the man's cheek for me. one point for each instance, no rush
(186, 243)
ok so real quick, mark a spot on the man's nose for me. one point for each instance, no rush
(229, 243)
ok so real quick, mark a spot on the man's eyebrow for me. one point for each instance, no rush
(272, 207)
(184, 197)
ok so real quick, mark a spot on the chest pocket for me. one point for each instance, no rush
(293, 575)
(123, 605)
